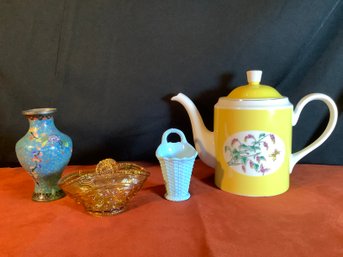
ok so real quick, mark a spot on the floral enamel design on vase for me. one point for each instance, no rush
(254, 153)
(44, 152)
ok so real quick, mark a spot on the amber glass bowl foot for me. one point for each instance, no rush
(107, 212)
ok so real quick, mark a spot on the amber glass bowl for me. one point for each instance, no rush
(106, 192)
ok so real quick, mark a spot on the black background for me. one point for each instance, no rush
(110, 67)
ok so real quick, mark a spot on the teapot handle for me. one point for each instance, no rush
(295, 157)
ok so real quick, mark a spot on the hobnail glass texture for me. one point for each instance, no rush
(107, 192)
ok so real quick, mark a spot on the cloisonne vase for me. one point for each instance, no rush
(44, 152)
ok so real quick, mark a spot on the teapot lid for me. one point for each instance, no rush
(254, 90)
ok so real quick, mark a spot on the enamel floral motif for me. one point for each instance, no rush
(254, 153)
(44, 152)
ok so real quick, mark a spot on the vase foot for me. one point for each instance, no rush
(47, 197)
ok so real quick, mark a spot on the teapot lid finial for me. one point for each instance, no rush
(254, 90)
(254, 76)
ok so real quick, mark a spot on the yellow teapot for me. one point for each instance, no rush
(251, 145)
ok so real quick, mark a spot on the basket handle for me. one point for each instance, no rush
(171, 131)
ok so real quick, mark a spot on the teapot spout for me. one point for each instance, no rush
(203, 138)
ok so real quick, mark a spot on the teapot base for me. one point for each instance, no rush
(254, 195)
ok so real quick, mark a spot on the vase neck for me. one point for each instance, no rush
(42, 123)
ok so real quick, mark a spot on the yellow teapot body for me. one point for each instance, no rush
(251, 145)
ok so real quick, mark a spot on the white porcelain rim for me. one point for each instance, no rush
(275, 103)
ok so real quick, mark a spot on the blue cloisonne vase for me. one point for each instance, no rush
(44, 152)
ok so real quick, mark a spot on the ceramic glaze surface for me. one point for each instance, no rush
(176, 160)
(44, 152)
(253, 150)
(251, 145)
(254, 153)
